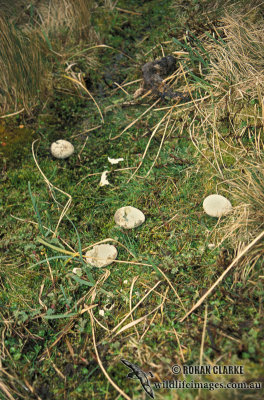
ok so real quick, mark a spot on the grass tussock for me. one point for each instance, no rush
(226, 62)
(246, 222)
(232, 125)
(236, 64)
(66, 21)
(21, 84)
(35, 47)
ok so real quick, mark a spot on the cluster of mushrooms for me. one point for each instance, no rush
(130, 217)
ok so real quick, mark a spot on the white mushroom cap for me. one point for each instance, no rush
(101, 255)
(129, 217)
(216, 205)
(61, 149)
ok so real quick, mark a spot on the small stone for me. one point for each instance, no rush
(101, 255)
(61, 149)
(216, 205)
(129, 217)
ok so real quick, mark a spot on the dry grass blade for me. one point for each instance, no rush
(101, 365)
(115, 241)
(160, 146)
(81, 84)
(5, 390)
(130, 300)
(103, 46)
(179, 344)
(32, 389)
(203, 335)
(128, 11)
(63, 377)
(169, 282)
(50, 186)
(136, 120)
(135, 307)
(63, 332)
(150, 139)
(12, 114)
(238, 257)
(137, 321)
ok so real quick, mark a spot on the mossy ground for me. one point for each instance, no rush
(174, 238)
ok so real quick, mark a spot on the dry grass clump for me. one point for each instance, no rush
(38, 41)
(236, 64)
(21, 65)
(246, 221)
(66, 21)
(232, 121)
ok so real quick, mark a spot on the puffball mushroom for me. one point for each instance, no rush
(61, 149)
(101, 255)
(129, 217)
(216, 205)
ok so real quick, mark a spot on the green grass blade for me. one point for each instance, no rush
(59, 249)
(48, 259)
(220, 41)
(84, 264)
(155, 268)
(57, 316)
(81, 281)
(184, 45)
(35, 206)
(64, 295)
(47, 40)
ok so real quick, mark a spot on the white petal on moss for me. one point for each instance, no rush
(101, 312)
(211, 246)
(61, 149)
(216, 205)
(104, 181)
(129, 217)
(115, 160)
(101, 255)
